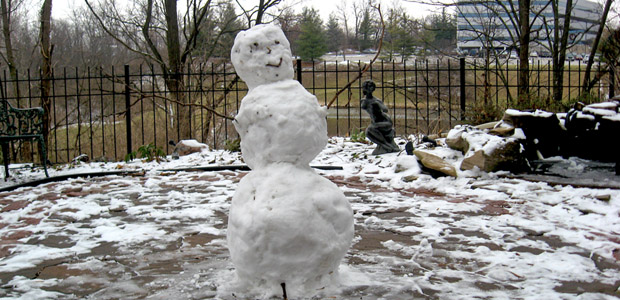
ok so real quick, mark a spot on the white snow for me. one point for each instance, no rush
(286, 225)
(196, 144)
(280, 122)
(537, 113)
(262, 55)
(441, 239)
(599, 111)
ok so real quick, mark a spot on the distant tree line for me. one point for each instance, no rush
(173, 35)
(110, 32)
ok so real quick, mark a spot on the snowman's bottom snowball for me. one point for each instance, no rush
(288, 224)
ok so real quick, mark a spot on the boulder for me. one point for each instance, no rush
(487, 126)
(455, 139)
(542, 130)
(185, 147)
(592, 130)
(407, 164)
(489, 152)
(435, 162)
(81, 158)
(503, 131)
(505, 155)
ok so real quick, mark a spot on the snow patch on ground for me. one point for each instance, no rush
(163, 234)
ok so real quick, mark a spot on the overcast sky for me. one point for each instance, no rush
(62, 8)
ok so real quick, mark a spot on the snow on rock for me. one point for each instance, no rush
(487, 152)
(538, 143)
(185, 147)
(536, 113)
(596, 123)
(287, 224)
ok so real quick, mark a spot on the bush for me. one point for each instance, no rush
(359, 136)
(148, 152)
(481, 114)
(232, 145)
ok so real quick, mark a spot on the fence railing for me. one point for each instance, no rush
(107, 112)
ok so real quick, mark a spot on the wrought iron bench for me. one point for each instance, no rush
(21, 124)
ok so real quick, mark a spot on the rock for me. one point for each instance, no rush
(487, 151)
(102, 159)
(602, 109)
(409, 148)
(407, 164)
(185, 147)
(603, 197)
(434, 162)
(544, 142)
(81, 158)
(455, 138)
(505, 155)
(430, 141)
(594, 124)
(487, 126)
(410, 178)
(503, 131)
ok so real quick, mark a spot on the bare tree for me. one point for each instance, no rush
(517, 20)
(344, 18)
(486, 28)
(7, 9)
(522, 16)
(46, 65)
(255, 15)
(158, 40)
(588, 84)
(563, 39)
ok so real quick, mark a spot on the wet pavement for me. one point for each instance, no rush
(163, 236)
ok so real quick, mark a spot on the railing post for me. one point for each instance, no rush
(612, 82)
(299, 70)
(462, 87)
(127, 110)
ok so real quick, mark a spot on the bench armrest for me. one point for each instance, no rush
(21, 121)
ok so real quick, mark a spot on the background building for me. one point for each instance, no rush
(485, 23)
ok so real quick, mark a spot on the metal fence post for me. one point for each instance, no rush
(299, 70)
(612, 82)
(462, 86)
(127, 110)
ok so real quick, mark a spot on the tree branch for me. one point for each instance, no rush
(367, 67)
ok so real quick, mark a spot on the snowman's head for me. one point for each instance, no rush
(261, 55)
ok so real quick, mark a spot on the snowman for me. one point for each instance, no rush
(287, 226)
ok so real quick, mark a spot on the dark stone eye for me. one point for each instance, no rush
(277, 42)
(255, 44)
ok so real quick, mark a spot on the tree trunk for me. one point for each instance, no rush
(259, 13)
(6, 7)
(174, 75)
(559, 58)
(587, 84)
(524, 50)
(46, 65)
(8, 44)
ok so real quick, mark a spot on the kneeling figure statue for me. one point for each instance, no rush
(381, 130)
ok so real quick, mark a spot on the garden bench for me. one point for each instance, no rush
(21, 124)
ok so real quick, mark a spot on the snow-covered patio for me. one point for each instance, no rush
(162, 234)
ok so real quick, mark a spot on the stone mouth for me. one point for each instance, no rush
(275, 65)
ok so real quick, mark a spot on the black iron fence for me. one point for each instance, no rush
(106, 112)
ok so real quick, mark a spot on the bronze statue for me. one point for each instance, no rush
(381, 130)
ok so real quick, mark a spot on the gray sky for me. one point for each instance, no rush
(62, 8)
